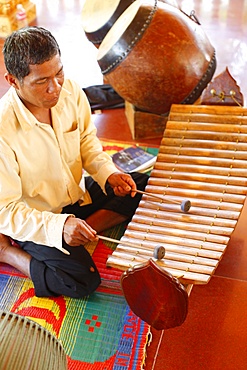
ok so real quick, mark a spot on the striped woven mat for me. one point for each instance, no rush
(99, 332)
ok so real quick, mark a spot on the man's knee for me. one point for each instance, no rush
(84, 287)
(56, 281)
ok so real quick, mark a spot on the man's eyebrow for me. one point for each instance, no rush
(60, 69)
(44, 77)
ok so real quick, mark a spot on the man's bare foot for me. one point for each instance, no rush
(13, 256)
(4, 244)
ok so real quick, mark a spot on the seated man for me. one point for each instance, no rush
(47, 139)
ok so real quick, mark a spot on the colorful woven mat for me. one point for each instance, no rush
(99, 332)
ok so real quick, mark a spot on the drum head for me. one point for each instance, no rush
(155, 296)
(118, 28)
(170, 2)
(98, 17)
(96, 13)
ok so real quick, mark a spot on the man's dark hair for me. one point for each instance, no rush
(29, 45)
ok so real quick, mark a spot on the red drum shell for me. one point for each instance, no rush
(162, 57)
(97, 36)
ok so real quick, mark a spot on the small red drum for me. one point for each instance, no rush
(155, 296)
(98, 17)
(155, 55)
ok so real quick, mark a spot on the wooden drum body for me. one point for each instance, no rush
(99, 16)
(155, 55)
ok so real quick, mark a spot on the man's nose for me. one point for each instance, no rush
(53, 86)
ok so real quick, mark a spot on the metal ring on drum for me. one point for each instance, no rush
(155, 56)
(98, 17)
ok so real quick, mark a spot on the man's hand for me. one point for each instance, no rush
(77, 232)
(122, 184)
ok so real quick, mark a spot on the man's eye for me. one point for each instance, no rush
(40, 82)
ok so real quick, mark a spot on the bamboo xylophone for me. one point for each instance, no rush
(203, 158)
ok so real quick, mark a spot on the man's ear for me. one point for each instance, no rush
(12, 80)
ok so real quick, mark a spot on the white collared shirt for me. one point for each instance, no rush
(41, 167)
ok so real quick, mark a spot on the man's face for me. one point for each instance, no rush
(42, 86)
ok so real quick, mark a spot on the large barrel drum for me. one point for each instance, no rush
(155, 55)
(98, 17)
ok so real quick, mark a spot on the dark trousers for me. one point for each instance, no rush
(54, 273)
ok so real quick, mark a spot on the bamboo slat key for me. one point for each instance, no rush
(202, 159)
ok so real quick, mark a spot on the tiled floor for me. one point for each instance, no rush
(214, 335)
